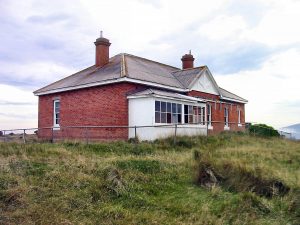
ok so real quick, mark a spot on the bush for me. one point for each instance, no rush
(263, 130)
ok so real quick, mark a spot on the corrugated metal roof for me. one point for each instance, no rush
(186, 77)
(136, 68)
(230, 95)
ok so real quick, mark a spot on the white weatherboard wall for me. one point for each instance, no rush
(142, 113)
(205, 84)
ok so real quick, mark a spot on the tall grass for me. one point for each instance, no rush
(148, 183)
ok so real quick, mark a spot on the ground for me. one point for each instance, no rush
(145, 183)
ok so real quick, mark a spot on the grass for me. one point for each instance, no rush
(151, 183)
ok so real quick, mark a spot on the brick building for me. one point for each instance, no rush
(127, 90)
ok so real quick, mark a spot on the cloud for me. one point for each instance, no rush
(277, 81)
(240, 41)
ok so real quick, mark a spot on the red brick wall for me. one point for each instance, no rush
(218, 113)
(96, 106)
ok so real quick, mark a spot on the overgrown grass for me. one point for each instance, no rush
(148, 183)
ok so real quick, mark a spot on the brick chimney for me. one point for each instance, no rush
(187, 61)
(102, 51)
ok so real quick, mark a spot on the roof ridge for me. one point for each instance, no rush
(151, 61)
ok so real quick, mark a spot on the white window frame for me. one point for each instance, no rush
(226, 118)
(177, 113)
(56, 125)
(239, 118)
(209, 116)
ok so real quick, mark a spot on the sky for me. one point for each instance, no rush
(252, 47)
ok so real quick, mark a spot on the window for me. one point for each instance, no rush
(167, 112)
(209, 114)
(226, 116)
(239, 116)
(194, 114)
(56, 116)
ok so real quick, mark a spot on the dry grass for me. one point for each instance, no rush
(119, 183)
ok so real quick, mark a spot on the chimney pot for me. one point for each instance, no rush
(187, 61)
(102, 50)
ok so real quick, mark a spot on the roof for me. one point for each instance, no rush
(160, 93)
(226, 94)
(130, 68)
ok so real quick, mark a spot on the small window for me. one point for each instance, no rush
(209, 108)
(226, 116)
(56, 113)
(239, 116)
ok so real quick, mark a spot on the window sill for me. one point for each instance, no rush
(55, 127)
(226, 128)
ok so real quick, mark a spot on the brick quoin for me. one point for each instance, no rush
(218, 112)
(95, 106)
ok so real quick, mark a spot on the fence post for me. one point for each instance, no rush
(4, 136)
(24, 139)
(52, 135)
(135, 135)
(175, 134)
(86, 136)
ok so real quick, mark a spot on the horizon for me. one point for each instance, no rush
(239, 42)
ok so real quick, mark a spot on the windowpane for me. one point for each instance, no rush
(169, 107)
(157, 117)
(179, 118)
(163, 106)
(174, 107)
(186, 118)
(186, 109)
(190, 109)
(190, 118)
(178, 108)
(163, 118)
(157, 106)
(168, 117)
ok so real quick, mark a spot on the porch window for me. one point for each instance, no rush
(209, 114)
(167, 112)
(56, 113)
(226, 116)
(194, 114)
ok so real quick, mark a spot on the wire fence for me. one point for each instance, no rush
(89, 134)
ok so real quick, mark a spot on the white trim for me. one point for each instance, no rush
(233, 100)
(240, 125)
(209, 127)
(191, 99)
(226, 128)
(55, 125)
(117, 80)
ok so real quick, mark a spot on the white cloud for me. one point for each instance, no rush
(271, 90)
(43, 41)
(18, 108)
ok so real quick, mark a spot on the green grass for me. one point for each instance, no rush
(148, 183)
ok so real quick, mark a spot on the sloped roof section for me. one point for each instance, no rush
(156, 92)
(130, 68)
(147, 70)
(229, 95)
(87, 76)
(187, 77)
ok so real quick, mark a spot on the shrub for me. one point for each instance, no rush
(263, 130)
